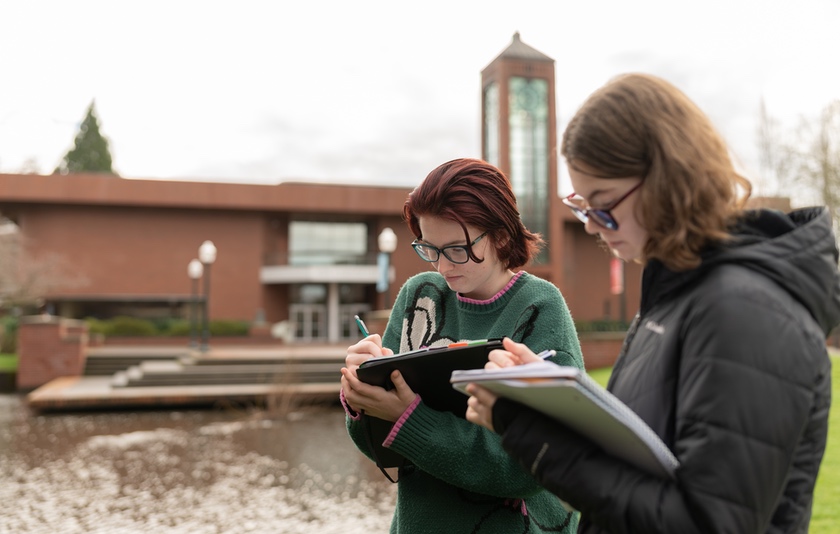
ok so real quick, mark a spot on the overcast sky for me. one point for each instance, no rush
(373, 92)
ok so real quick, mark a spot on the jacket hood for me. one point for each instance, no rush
(796, 250)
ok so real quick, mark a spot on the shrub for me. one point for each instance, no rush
(97, 326)
(130, 326)
(178, 327)
(223, 327)
(161, 324)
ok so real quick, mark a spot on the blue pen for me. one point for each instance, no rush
(362, 326)
(546, 354)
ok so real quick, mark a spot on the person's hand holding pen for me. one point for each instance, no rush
(373, 400)
(481, 401)
(367, 348)
(514, 354)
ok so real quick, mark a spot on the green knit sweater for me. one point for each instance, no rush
(459, 479)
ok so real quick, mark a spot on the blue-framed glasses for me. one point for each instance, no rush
(601, 217)
(453, 253)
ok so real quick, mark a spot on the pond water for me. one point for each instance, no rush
(186, 471)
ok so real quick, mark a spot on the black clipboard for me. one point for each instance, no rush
(427, 371)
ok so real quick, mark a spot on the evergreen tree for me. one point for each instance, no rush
(91, 152)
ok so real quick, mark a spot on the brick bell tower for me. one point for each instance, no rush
(519, 135)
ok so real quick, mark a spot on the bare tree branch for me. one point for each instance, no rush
(806, 164)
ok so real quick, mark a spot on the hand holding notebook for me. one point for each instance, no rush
(569, 395)
(427, 372)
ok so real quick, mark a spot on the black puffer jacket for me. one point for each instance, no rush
(728, 364)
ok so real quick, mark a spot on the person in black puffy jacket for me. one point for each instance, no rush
(726, 359)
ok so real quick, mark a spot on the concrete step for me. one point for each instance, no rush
(96, 392)
(106, 365)
(166, 376)
(105, 361)
(174, 373)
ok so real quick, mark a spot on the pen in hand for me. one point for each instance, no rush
(544, 355)
(362, 326)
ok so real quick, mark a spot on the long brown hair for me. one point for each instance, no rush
(641, 125)
(474, 192)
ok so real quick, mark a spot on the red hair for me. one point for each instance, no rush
(473, 192)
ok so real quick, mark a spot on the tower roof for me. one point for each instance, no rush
(519, 50)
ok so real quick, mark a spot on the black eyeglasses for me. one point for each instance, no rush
(453, 253)
(601, 216)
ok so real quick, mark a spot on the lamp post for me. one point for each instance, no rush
(387, 245)
(195, 269)
(207, 255)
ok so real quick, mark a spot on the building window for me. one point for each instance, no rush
(327, 243)
(491, 124)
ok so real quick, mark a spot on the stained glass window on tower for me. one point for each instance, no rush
(528, 122)
(491, 124)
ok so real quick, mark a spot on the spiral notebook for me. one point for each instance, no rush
(569, 395)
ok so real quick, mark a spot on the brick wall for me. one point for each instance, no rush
(49, 347)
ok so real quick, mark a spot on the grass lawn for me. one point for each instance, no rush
(826, 514)
(825, 517)
(8, 363)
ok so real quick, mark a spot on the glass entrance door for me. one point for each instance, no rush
(324, 313)
(310, 321)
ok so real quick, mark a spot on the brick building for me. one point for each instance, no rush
(293, 251)
(297, 252)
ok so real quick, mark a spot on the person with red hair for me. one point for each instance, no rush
(457, 477)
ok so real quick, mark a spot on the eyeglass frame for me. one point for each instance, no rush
(467, 248)
(602, 216)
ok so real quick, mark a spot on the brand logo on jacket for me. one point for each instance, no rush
(655, 327)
